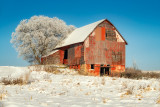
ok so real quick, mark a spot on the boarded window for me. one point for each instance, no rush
(116, 56)
(106, 35)
(78, 51)
(111, 35)
(98, 34)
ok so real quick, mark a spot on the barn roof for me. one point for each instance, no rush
(80, 34)
(54, 51)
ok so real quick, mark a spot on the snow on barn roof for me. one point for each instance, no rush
(79, 34)
(54, 51)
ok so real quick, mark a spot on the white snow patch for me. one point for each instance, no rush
(67, 90)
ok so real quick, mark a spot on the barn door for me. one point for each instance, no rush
(104, 71)
(65, 59)
(107, 71)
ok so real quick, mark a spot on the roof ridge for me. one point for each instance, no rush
(82, 32)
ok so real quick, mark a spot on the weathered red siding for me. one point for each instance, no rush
(55, 58)
(104, 51)
(75, 54)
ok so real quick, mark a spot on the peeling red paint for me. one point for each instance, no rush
(103, 33)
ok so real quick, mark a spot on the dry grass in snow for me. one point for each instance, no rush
(70, 90)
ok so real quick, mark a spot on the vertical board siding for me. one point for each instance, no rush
(55, 58)
(76, 54)
(105, 51)
(82, 55)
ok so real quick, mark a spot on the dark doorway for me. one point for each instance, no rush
(104, 71)
(66, 54)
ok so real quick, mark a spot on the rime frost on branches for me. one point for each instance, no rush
(38, 36)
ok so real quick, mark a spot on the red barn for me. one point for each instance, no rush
(97, 48)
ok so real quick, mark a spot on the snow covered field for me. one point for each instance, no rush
(73, 90)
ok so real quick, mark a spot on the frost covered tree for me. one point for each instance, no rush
(38, 36)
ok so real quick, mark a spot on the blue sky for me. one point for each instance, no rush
(137, 20)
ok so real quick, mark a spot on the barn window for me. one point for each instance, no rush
(92, 66)
(106, 35)
(66, 54)
(117, 56)
(110, 35)
(102, 65)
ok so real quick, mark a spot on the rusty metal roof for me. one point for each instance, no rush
(54, 51)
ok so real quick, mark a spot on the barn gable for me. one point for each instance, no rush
(80, 34)
(104, 46)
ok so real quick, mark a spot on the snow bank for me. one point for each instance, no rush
(13, 72)
(77, 91)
